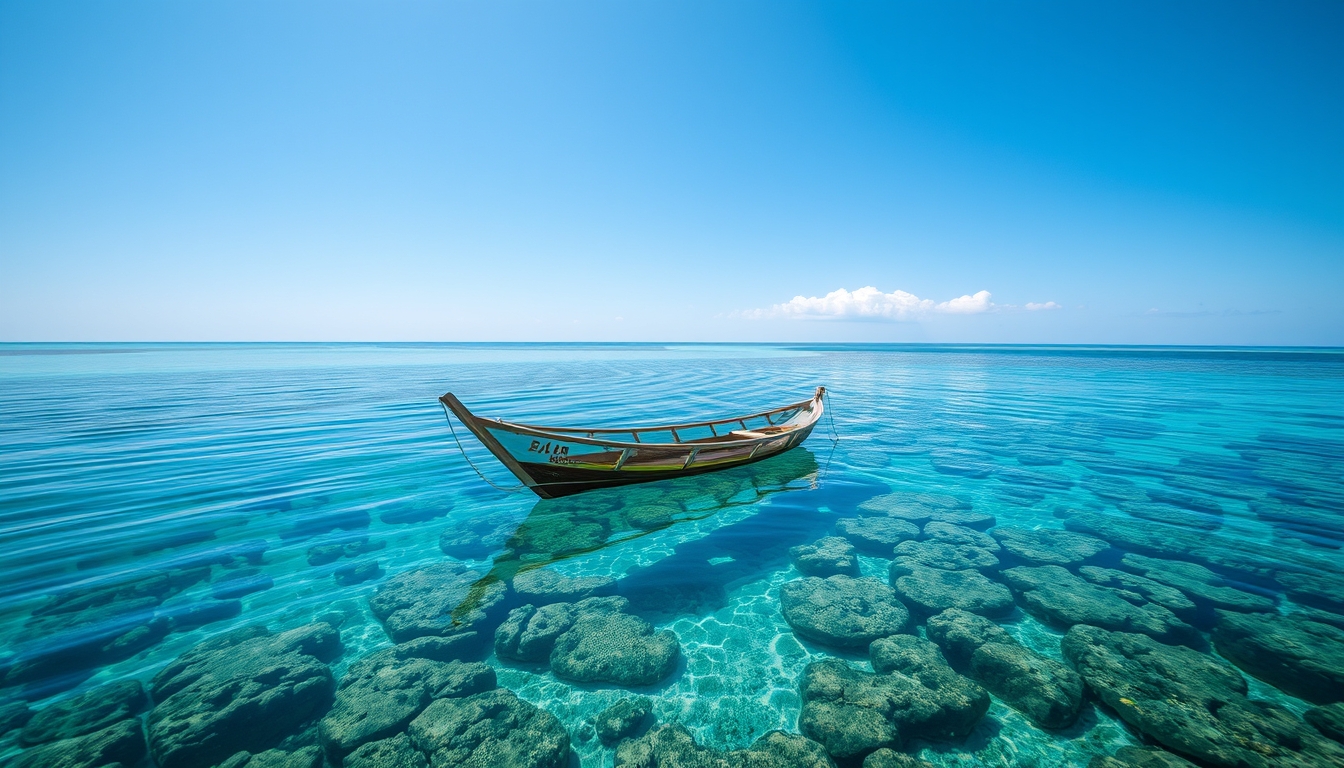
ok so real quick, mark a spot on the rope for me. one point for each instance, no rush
(520, 488)
(835, 434)
(835, 440)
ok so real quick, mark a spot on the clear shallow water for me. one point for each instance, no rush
(122, 460)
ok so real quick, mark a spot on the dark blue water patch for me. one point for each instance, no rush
(1217, 467)
(1172, 515)
(965, 463)
(192, 614)
(1308, 521)
(1114, 488)
(1129, 429)
(409, 515)
(1186, 501)
(1318, 447)
(1226, 489)
(171, 541)
(1079, 446)
(1126, 467)
(1034, 478)
(1020, 496)
(895, 441)
(688, 582)
(350, 574)
(306, 524)
(238, 583)
(329, 549)
(1038, 458)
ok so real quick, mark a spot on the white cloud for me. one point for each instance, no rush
(1034, 307)
(871, 304)
(968, 305)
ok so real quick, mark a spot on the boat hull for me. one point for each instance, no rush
(552, 481)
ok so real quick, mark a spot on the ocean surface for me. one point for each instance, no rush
(283, 485)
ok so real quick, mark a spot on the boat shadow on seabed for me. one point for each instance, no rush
(559, 529)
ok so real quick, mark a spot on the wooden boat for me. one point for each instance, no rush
(559, 461)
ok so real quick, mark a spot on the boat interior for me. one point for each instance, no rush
(767, 424)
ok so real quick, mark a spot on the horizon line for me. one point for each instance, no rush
(693, 343)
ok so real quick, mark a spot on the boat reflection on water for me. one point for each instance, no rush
(559, 529)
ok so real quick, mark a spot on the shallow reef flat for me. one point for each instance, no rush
(1044, 559)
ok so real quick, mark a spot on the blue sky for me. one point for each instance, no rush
(1136, 172)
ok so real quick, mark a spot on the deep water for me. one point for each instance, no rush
(155, 496)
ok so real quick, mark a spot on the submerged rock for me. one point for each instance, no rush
(1143, 589)
(1247, 558)
(949, 557)
(931, 590)
(303, 757)
(317, 521)
(1198, 582)
(494, 728)
(1329, 720)
(1141, 757)
(1191, 702)
(1048, 546)
(1317, 615)
(622, 719)
(920, 508)
(382, 693)
(395, 752)
(905, 503)
(590, 641)
(322, 554)
(245, 689)
(91, 711)
(357, 573)
(80, 629)
(841, 611)
(651, 517)
(672, 746)
(441, 600)
(1114, 488)
(959, 534)
(914, 694)
(977, 520)
(239, 583)
(610, 647)
(889, 758)
(529, 633)
(186, 615)
(1304, 658)
(1321, 527)
(1318, 590)
(1042, 689)
(13, 714)
(1166, 513)
(825, 557)
(409, 515)
(540, 586)
(122, 743)
(876, 535)
(1058, 597)
(453, 648)
(956, 703)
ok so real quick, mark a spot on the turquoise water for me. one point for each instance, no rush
(126, 460)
